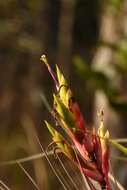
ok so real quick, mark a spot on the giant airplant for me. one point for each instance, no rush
(88, 149)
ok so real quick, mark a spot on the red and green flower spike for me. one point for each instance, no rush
(91, 146)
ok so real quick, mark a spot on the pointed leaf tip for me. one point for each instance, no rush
(50, 128)
(59, 74)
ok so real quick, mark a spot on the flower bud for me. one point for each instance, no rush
(104, 136)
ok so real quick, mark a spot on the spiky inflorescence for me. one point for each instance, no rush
(91, 146)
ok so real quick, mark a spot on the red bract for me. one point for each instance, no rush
(74, 107)
(88, 149)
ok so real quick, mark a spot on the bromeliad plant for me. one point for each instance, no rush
(89, 150)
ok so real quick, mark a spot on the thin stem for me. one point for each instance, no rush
(47, 158)
(4, 185)
(28, 175)
(119, 146)
(76, 174)
(68, 175)
(60, 173)
(25, 159)
(121, 158)
(45, 60)
(120, 140)
(80, 168)
(116, 186)
(118, 183)
(90, 184)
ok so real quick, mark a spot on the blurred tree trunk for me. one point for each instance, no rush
(21, 73)
(64, 47)
(85, 37)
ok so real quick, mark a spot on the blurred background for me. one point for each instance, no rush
(88, 40)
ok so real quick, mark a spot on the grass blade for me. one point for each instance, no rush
(28, 175)
(4, 185)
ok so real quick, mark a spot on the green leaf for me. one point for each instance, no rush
(64, 112)
(57, 137)
(63, 86)
(59, 74)
(61, 142)
(121, 158)
(50, 128)
(119, 146)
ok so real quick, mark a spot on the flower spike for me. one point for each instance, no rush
(92, 149)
